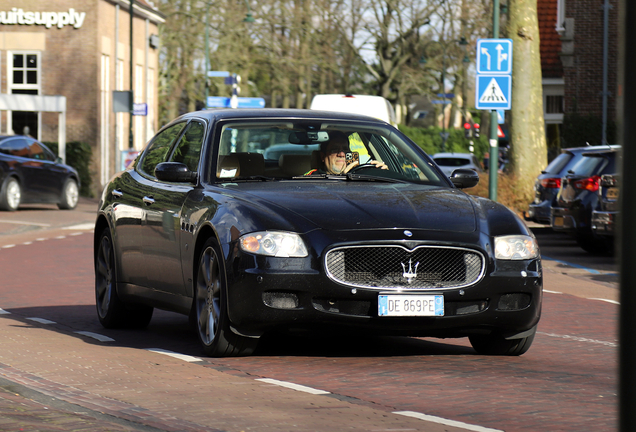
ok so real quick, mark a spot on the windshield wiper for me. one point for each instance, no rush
(366, 177)
(253, 178)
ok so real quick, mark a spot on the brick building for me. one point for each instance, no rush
(579, 61)
(81, 49)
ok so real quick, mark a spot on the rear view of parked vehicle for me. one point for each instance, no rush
(604, 217)
(548, 183)
(578, 197)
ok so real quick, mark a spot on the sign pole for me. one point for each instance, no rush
(493, 139)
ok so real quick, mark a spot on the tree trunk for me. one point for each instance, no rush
(527, 136)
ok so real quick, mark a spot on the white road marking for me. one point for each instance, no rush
(293, 386)
(606, 300)
(24, 223)
(183, 357)
(552, 292)
(85, 226)
(446, 422)
(99, 337)
(8, 246)
(580, 339)
(42, 320)
(4, 312)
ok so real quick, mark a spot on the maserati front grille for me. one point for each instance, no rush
(395, 267)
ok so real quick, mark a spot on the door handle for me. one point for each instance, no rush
(117, 193)
(149, 200)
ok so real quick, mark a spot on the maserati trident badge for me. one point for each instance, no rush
(411, 273)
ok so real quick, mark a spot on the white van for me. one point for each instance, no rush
(373, 106)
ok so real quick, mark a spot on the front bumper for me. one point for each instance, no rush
(604, 222)
(270, 294)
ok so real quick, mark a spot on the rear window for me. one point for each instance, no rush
(591, 165)
(452, 162)
(559, 163)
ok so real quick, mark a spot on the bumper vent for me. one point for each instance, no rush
(395, 267)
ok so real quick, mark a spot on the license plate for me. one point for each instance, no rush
(410, 305)
(612, 193)
(558, 221)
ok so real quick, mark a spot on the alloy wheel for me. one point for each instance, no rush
(208, 296)
(104, 273)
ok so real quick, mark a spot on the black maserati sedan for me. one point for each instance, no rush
(31, 173)
(362, 234)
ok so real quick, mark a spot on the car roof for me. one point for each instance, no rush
(455, 155)
(247, 113)
(591, 149)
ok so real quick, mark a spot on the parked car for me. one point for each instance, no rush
(578, 197)
(548, 183)
(449, 162)
(246, 245)
(605, 215)
(31, 173)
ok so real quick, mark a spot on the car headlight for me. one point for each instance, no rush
(516, 247)
(273, 243)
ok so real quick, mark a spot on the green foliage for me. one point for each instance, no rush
(430, 140)
(578, 130)
(78, 155)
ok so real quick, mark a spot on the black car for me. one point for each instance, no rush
(31, 173)
(548, 183)
(578, 197)
(604, 217)
(247, 245)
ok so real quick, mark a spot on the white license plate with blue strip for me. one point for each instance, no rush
(410, 305)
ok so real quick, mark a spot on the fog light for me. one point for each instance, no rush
(280, 300)
(514, 301)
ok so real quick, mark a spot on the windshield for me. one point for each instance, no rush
(308, 149)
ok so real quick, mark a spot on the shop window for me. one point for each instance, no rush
(25, 70)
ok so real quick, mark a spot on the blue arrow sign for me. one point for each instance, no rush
(493, 92)
(221, 74)
(243, 102)
(494, 56)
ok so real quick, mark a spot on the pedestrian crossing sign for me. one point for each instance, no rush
(493, 92)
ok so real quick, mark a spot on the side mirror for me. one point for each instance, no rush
(175, 172)
(464, 178)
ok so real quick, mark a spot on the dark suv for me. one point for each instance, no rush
(578, 197)
(548, 182)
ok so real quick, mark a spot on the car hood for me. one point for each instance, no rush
(351, 206)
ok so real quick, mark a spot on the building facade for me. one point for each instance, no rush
(579, 62)
(83, 50)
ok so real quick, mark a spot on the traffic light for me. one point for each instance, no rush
(468, 133)
(476, 130)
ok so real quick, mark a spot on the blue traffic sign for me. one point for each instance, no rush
(220, 74)
(494, 56)
(493, 92)
(243, 102)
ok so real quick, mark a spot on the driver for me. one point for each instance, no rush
(333, 156)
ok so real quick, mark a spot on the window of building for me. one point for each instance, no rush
(554, 104)
(105, 117)
(560, 18)
(140, 132)
(24, 78)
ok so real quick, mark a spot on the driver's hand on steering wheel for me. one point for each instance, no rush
(378, 164)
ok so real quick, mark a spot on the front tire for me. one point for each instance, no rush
(111, 311)
(70, 195)
(11, 195)
(211, 308)
(495, 344)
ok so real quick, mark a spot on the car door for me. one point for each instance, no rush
(49, 176)
(163, 201)
(19, 161)
(129, 210)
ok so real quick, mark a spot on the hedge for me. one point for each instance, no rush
(78, 155)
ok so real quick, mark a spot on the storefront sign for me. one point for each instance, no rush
(48, 19)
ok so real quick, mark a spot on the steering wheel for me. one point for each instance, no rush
(364, 165)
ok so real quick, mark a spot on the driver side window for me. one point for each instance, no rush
(188, 150)
(158, 149)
